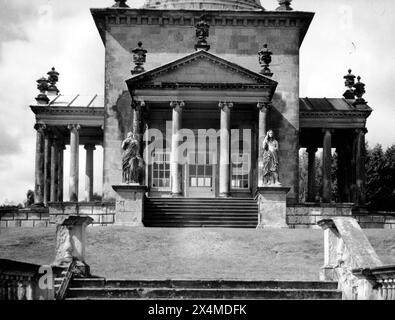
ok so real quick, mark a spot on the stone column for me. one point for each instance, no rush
(311, 175)
(60, 172)
(39, 165)
(344, 169)
(89, 172)
(263, 110)
(137, 126)
(360, 174)
(54, 171)
(224, 156)
(74, 161)
(175, 168)
(47, 167)
(326, 166)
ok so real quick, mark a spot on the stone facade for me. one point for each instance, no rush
(235, 36)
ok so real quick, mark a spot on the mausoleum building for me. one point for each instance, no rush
(199, 84)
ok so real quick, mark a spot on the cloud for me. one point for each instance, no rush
(9, 145)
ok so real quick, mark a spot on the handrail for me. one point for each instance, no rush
(351, 260)
(60, 294)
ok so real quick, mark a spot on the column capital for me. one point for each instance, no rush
(361, 130)
(40, 127)
(325, 130)
(74, 127)
(137, 104)
(263, 106)
(225, 105)
(177, 104)
(90, 147)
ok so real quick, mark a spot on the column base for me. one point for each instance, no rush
(129, 205)
(224, 195)
(272, 207)
(176, 194)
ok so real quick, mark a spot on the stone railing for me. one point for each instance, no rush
(350, 259)
(382, 279)
(26, 281)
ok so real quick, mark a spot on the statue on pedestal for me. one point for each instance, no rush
(132, 162)
(270, 160)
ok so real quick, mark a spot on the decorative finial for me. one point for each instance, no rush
(285, 5)
(42, 86)
(139, 58)
(120, 4)
(265, 58)
(202, 32)
(53, 78)
(349, 83)
(359, 90)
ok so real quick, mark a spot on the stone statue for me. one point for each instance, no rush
(132, 162)
(270, 160)
(29, 199)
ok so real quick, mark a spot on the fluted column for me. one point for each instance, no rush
(60, 172)
(311, 174)
(360, 166)
(74, 161)
(89, 172)
(224, 156)
(137, 127)
(326, 166)
(175, 168)
(54, 171)
(39, 165)
(263, 110)
(47, 166)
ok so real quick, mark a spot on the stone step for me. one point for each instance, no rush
(202, 284)
(203, 209)
(182, 293)
(191, 222)
(200, 215)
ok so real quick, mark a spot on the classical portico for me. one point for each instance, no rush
(202, 91)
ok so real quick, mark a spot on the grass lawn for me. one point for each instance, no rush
(194, 253)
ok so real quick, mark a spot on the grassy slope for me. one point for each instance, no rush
(121, 252)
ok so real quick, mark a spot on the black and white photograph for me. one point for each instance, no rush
(170, 152)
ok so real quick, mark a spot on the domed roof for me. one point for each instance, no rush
(205, 4)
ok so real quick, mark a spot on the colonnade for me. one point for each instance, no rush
(351, 168)
(49, 166)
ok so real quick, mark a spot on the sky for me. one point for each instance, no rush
(38, 34)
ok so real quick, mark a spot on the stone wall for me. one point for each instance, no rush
(101, 213)
(304, 216)
(11, 218)
(235, 36)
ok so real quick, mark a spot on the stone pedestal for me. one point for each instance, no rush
(272, 207)
(71, 240)
(129, 205)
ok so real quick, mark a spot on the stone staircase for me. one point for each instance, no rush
(201, 212)
(100, 288)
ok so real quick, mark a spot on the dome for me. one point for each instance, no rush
(205, 4)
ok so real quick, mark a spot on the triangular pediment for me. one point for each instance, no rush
(201, 67)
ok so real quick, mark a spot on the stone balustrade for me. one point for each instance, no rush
(382, 279)
(26, 281)
(350, 259)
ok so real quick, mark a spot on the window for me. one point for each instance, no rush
(240, 171)
(200, 171)
(161, 170)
